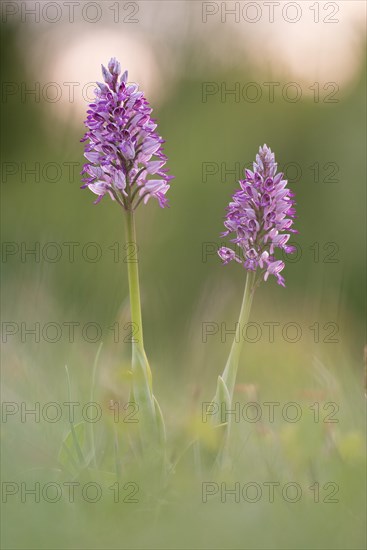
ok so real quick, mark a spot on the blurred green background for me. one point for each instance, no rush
(183, 284)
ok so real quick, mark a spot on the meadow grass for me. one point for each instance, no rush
(192, 503)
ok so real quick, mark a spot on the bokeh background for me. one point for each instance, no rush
(173, 49)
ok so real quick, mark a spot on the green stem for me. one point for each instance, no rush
(230, 371)
(151, 426)
(226, 382)
(141, 373)
(133, 274)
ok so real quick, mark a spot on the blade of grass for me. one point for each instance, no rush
(75, 439)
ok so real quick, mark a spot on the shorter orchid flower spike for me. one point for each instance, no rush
(260, 216)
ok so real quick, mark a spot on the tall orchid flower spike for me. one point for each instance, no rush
(124, 152)
(126, 162)
(260, 219)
